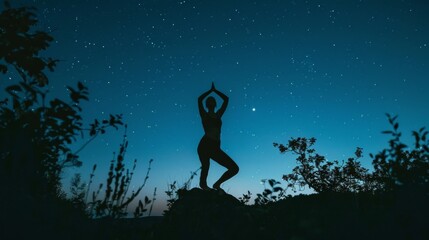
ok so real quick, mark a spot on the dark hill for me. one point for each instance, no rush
(199, 214)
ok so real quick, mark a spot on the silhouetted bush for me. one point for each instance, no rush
(273, 193)
(315, 171)
(400, 166)
(35, 133)
(245, 199)
(114, 203)
(397, 167)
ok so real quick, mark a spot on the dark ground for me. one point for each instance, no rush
(208, 215)
(199, 214)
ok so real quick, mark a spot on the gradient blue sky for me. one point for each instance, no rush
(324, 69)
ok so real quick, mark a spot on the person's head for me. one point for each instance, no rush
(211, 103)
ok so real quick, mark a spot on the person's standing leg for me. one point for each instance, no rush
(204, 156)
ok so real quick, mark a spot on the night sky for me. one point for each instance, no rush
(323, 69)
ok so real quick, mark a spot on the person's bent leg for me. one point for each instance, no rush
(223, 159)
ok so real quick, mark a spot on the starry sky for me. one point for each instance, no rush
(323, 69)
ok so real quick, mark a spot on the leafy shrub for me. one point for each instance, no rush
(396, 167)
(115, 202)
(35, 133)
(77, 191)
(273, 193)
(245, 199)
(400, 166)
(315, 171)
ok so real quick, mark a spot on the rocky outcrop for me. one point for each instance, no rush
(205, 214)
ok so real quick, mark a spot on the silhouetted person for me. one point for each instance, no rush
(209, 146)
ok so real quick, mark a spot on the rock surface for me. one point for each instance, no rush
(205, 214)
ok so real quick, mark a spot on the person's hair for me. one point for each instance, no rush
(210, 102)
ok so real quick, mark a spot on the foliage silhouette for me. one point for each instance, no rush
(400, 166)
(115, 202)
(397, 167)
(245, 199)
(35, 134)
(315, 171)
(77, 191)
(151, 206)
(273, 193)
(20, 47)
(173, 190)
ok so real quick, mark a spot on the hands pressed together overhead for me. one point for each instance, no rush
(213, 87)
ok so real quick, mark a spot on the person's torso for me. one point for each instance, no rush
(212, 126)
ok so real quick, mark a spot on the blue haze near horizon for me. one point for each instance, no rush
(323, 69)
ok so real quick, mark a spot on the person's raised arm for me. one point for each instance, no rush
(200, 101)
(225, 101)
